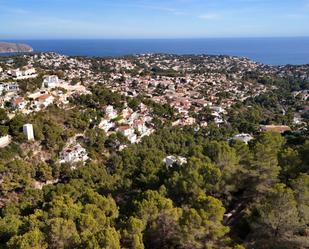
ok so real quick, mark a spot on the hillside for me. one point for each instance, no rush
(8, 47)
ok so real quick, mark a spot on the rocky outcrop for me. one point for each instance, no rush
(8, 47)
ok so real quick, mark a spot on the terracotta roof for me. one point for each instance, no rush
(18, 100)
(43, 97)
(275, 128)
(124, 127)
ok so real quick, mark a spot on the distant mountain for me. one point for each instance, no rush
(8, 47)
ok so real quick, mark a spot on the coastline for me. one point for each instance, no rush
(270, 51)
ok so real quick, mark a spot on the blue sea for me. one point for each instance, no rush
(272, 51)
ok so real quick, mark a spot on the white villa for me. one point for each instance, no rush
(43, 100)
(110, 112)
(171, 160)
(19, 103)
(128, 132)
(8, 87)
(106, 125)
(73, 153)
(5, 141)
(24, 73)
(50, 81)
(246, 138)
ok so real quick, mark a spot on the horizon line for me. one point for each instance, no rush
(154, 38)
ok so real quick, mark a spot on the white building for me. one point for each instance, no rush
(110, 112)
(5, 141)
(24, 73)
(218, 109)
(140, 126)
(128, 132)
(126, 113)
(50, 81)
(132, 138)
(43, 101)
(73, 153)
(218, 120)
(106, 125)
(8, 87)
(19, 103)
(171, 160)
(246, 138)
(28, 131)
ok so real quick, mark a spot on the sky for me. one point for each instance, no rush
(88, 19)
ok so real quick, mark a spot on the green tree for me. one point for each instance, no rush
(187, 182)
(278, 212)
(132, 234)
(201, 225)
(3, 116)
(62, 234)
(301, 191)
(264, 169)
(31, 240)
(4, 130)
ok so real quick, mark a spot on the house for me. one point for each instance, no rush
(19, 103)
(73, 153)
(62, 97)
(28, 71)
(128, 132)
(5, 141)
(140, 126)
(106, 125)
(110, 113)
(28, 131)
(246, 138)
(188, 121)
(24, 73)
(8, 87)
(217, 109)
(43, 100)
(171, 160)
(143, 108)
(16, 73)
(132, 138)
(275, 128)
(126, 113)
(218, 120)
(50, 81)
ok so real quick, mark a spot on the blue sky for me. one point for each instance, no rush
(28, 19)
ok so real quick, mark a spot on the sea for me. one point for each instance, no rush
(271, 51)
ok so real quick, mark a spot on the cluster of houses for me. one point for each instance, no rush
(23, 73)
(53, 90)
(188, 84)
(133, 125)
(190, 91)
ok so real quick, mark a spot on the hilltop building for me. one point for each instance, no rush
(5, 141)
(50, 81)
(28, 131)
(73, 153)
(171, 160)
(24, 73)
